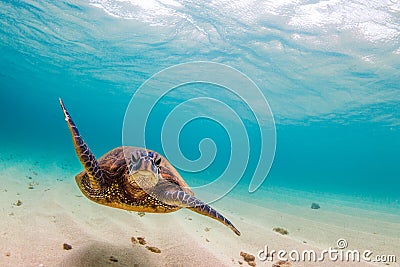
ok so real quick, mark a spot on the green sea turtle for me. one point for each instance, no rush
(146, 182)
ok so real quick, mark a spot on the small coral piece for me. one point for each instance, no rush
(282, 264)
(280, 230)
(67, 246)
(315, 206)
(113, 259)
(141, 240)
(153, 249)
(250, 259)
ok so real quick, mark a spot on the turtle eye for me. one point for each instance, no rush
(135, 157)
(158, 161)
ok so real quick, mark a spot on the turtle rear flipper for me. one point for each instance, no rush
(184, 200)
(84, 154)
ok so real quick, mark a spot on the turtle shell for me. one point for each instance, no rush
(124, 193)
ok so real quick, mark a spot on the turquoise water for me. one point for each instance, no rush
(331, 78)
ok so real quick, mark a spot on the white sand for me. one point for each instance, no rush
(55, 212)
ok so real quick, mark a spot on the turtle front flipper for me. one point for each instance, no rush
(84, 154)
(184, 200)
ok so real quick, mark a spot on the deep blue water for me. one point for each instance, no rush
(332, 84)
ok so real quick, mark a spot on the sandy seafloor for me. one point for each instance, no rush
(55, 212)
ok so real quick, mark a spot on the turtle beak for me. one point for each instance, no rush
(144, 171)
(146, 165)
(143, 164)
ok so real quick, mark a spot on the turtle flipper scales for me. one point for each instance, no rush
(84, 154)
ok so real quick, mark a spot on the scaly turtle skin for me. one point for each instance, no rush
(135, 179)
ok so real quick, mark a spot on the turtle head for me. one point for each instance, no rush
(144, 168)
